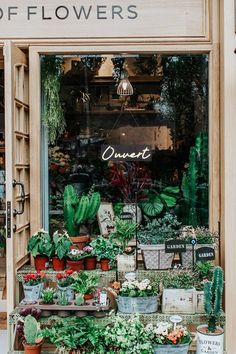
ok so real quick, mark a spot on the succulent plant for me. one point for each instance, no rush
(79, 209)
(31, 330)
(213, 298)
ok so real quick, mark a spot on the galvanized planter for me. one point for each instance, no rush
(70, 294)
(181, 301)
(128, 304)
(32, 292)
(171, 349)
(155, 257)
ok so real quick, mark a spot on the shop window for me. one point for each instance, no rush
(166, 110)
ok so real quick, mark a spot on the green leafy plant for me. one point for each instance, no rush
(40, 244)
(159, 199)
(79, 209)
(85, 283)
(179, 279)
(157, 231)
(53, 114)
(62, 244)
(48, 295)
(76, 255)
(213, 298)
(105, 248)
(31, 330)
(125, 231)
(127, 336)
(135, 288)
(204, 272)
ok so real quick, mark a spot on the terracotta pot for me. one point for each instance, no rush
(104, 264)
(32, 349)
(90, 263)
(88, 297)
(80, 241)
(41, 262)
(58, 264)
(76, 265)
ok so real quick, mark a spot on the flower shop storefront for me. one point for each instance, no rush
(115, 141)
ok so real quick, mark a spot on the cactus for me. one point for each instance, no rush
(213, 298)
(31, 330)
(78, 210)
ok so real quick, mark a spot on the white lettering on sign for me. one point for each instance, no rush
(110, 154)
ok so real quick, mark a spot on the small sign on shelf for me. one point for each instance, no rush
(205, 254)
(175, 246)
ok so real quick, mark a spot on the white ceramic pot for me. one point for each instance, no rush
(32, 292)
(209, 343)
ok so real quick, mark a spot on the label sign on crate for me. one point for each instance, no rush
(172, 246)
(205, 254)
(126, 216)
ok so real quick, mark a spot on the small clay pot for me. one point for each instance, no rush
(41, 263)
(90, 263)
(58, 264)
(88, 297)
(32, 348)
(104, 264)
(76, 265)
(80, 241)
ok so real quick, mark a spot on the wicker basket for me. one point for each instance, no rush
(171, 349)
(155, 257)
(187, 257)
(147, 304)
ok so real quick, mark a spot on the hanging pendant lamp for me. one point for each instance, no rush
(125, 88)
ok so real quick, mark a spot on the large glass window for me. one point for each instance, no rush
(162, 104)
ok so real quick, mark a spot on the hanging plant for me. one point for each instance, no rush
(53, 114)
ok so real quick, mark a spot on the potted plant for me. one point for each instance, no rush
(179, 293)
(85, 284)
(61, 246)
(106, 250)
(138, 296)
(152, 238)
(75, 259)
(127, 335)
(78, 210)
(210, 337)
(47, 296)
(41, 247)
(204, 238)
(204, 272)
(90, 259)
(33, 285)
(64, 282)
(124, 232)
(33, 341)
(168, 339)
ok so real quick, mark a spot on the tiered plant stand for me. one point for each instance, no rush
(191, 321)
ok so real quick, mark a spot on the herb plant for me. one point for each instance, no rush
(157, 231)
(62, 244)
(62, 298)
(40, 244)
(48, 295)
(179, 279)
(105, 248)
(125, 231)
(85, 283)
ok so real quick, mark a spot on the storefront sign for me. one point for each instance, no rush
(172, 246)
(106, 18)
(205, 254)
(126, 153)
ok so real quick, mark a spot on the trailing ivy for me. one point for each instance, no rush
(53, 114)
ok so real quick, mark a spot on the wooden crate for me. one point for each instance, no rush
(178, 301)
